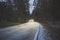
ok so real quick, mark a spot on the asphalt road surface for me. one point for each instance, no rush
(31, 31)
(48, 32)
(24, 31)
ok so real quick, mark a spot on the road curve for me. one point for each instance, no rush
(24, 31)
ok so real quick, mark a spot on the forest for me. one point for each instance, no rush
(18, 11)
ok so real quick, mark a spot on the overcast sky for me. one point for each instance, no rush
(31, 6)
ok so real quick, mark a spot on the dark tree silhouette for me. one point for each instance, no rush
(47, 10)
(15, 11)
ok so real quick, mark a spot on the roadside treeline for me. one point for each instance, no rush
(47, 10)
(13, 11)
